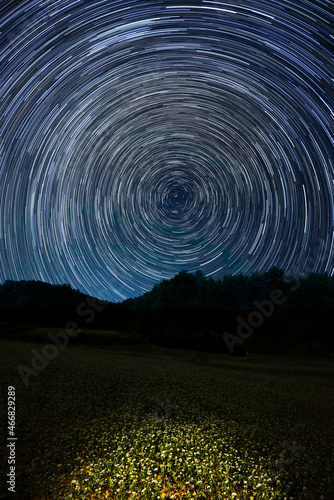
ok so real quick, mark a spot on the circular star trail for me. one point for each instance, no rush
(139, 138)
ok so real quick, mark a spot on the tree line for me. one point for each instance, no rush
(190, 310)
(197, 292)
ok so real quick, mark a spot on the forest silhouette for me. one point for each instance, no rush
(276, 313)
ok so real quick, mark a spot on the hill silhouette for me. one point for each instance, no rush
(38, 295)
(196, 291)
(265, 311)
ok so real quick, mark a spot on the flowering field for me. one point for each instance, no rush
(97, 424)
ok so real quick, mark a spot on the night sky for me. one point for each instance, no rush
(139, 138)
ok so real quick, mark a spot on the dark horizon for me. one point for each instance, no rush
(141, 138)
(287, 277)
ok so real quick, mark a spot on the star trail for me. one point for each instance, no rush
(139, 138)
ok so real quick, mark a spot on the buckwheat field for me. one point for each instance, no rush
(100, 424)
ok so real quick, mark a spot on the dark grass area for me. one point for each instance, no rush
(91, 416)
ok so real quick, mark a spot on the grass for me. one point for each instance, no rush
(98, 424)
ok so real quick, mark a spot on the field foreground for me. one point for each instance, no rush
(98, 424)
